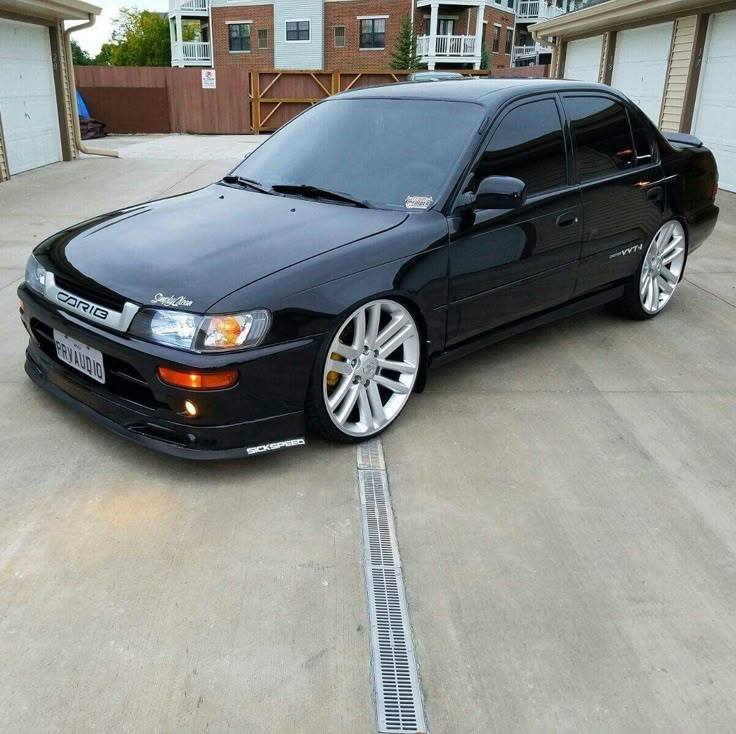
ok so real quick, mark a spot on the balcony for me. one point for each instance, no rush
(530, 51)
(456, 47)
(189, 7)
(531, 11)
(191, 53)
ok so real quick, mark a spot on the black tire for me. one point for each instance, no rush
(630, 304)
(319, 420)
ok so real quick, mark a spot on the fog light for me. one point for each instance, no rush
(190, 408)
(198, 380)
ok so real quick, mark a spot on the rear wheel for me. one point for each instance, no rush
(366, 373)
(659, 274)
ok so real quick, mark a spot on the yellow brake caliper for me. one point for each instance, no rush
(334, 377)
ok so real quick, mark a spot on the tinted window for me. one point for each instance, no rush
(381, 150)
(642, 141)
(603, 143)
(528, 144)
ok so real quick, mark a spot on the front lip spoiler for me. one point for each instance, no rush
(141, 439)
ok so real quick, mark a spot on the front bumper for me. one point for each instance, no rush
(263, 411)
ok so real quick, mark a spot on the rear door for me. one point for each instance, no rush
(505, 265)
(621, 185)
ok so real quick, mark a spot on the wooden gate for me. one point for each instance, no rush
(277, 96)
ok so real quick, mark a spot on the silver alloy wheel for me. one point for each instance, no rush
(371, 368)
(662, 267)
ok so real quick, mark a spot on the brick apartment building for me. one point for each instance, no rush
(340, 34)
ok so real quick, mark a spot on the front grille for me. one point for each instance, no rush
(102, 298)
(121, 378)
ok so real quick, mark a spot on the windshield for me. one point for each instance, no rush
(395, 153)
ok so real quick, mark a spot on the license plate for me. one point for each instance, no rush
(83, 358)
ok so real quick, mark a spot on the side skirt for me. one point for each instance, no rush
(517, 327)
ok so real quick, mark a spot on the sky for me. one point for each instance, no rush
(92, 38)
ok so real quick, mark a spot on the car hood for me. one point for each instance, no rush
(190, 251)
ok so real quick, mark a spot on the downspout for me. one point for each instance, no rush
(73, 91)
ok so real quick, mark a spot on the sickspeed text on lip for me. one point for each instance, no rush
(266, 447)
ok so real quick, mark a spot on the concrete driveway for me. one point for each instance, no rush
(565, 505)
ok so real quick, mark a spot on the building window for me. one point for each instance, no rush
(496, 38)
(263, 38)
(509, 39)
(297, 30)
(339, 36)
(372, 32)
(239, 36)
(510, 3)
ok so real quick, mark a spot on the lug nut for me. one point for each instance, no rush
(353, 362)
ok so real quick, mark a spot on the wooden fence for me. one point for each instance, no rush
(131, 99)
(162, 99)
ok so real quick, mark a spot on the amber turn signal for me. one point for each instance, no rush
(197, 380)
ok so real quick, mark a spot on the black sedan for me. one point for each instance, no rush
(379, 233)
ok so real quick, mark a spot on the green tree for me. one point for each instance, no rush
(104, 58)
(140, 38)
(484, 56)
(79, 56)
(405, 54)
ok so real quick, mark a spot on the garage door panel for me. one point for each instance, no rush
(28, 96)
(715, 109)
(640, 66)
(583, 59)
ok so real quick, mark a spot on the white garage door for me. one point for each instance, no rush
(640, 66)
(715, 108)
(583, 59)
(27, 96)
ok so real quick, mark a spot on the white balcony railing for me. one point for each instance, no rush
(446, 46)
(191, 53)
(189, 6)
(532, 10)
(525, 52)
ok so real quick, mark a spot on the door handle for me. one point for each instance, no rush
(565, 220)
(655, 194)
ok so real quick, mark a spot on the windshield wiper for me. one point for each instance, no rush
(317, 192)
(247, 183)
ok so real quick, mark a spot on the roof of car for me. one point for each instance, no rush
(469, 90)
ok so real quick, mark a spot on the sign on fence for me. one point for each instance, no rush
(209, 79)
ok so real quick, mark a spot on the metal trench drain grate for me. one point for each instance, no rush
(396, 679)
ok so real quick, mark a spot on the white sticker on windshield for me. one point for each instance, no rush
(418, 202)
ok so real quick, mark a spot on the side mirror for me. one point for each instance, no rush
(499, 192)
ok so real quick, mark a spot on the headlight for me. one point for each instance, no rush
(197, 333)
(35, 275)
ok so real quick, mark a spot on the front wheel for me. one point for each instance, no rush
(656, 280)
(366, 372)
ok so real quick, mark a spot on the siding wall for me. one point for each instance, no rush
(305, 55)
(679, 65)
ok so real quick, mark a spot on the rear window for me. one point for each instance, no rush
(602, 135)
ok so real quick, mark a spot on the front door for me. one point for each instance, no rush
(505, 265)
